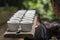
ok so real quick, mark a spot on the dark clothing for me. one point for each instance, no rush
(41, 33)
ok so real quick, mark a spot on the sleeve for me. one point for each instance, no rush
(37, 35)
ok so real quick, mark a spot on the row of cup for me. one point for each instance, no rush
(29, 15)
(25, 23)
(18, 15)
(13, 23)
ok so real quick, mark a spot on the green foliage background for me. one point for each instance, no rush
(43, 6)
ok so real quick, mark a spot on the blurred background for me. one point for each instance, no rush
(49, 10)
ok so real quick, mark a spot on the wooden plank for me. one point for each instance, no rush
(21, 34)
